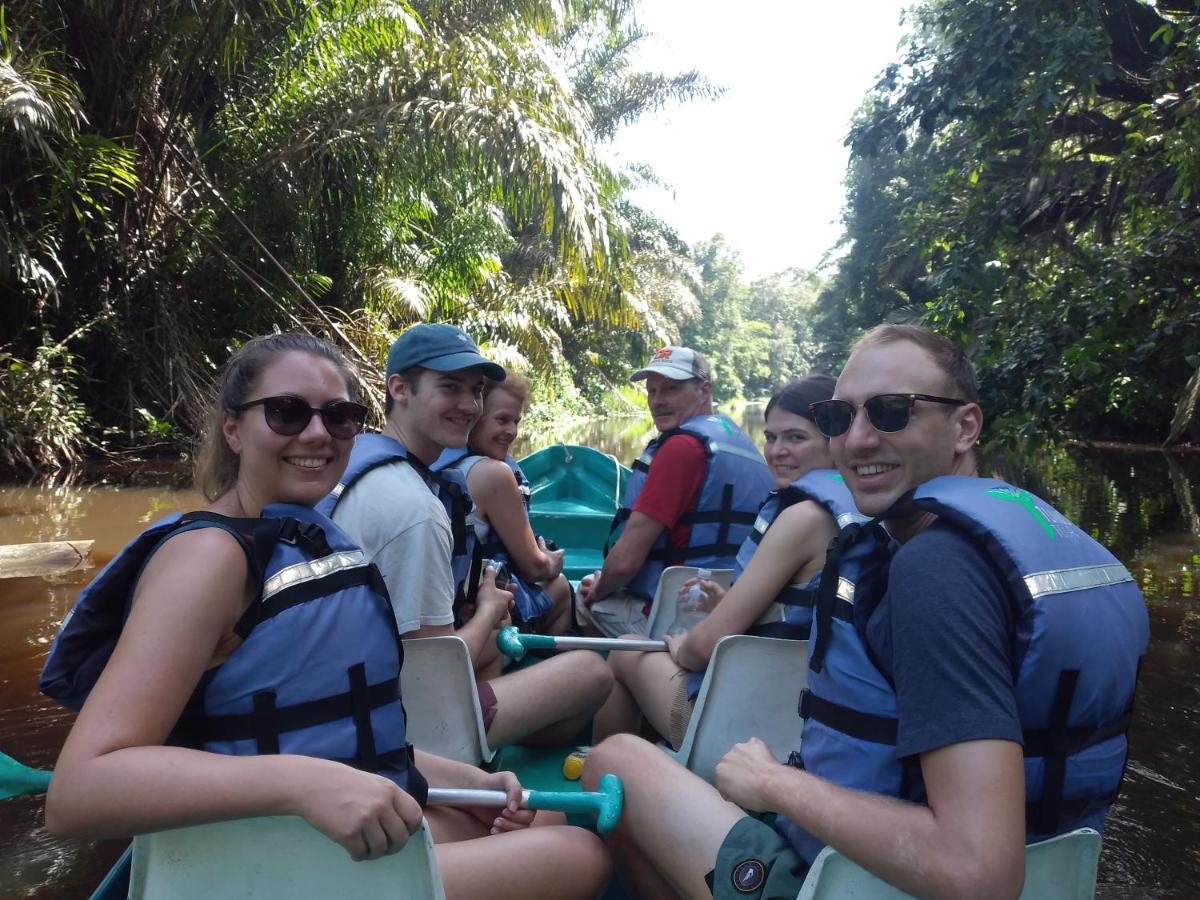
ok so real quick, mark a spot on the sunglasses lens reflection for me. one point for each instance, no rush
(288, 416)
(889, 412)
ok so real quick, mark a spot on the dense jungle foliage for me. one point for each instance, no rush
(175, 176)
(1027, 178)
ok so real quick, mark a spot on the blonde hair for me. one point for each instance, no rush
(216, 466)
(514, 383)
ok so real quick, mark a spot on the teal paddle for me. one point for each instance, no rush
(17, 780)
(513, 643)
(605, 804)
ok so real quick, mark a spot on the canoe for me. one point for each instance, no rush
(574, 493)
(538, 769)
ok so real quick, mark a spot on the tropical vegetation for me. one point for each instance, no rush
(178, 175)
(1027, 179)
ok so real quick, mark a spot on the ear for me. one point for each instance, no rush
(398, 389)
(969, 420)
(229, 428)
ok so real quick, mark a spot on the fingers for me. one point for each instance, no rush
(512, 821)
(374, 841)
(408, 810)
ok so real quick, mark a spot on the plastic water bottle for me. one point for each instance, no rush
(691, 606)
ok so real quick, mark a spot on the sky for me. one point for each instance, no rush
(763, 164)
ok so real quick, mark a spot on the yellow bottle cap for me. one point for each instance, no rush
(573, 766)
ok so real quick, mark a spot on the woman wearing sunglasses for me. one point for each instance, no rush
(774, 580)
(244, 661)
(500, 493)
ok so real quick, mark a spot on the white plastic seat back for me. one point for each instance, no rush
(1060, 868)
(437, 684)
(662, 610)
(275, 857)
(751, 689)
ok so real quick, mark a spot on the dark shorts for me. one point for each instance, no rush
(487, 703)
(757, 862)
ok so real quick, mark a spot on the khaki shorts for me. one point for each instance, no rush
(757, 862)
(617, 614)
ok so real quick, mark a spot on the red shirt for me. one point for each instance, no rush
(672, 487)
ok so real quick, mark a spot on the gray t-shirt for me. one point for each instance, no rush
(403, 528)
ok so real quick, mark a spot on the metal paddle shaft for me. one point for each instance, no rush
(17, 779)
(605, 804)
(513, 643)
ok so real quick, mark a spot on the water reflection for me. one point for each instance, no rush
(1145, 507)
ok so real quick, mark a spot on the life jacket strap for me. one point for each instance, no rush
(1048, 808)
(360, 701)
(786, 630)
(265, 723)
(856, 724)
(827, 592)
(268, 721)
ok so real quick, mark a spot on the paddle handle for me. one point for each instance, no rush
(605, 804)
(512, 643)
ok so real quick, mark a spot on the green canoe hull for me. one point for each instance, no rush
(575, 492)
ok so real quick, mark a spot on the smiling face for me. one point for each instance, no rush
(436, 412)
(274, 468)
(673, 402)
(792, 446)
(880, 468)
(499, 425)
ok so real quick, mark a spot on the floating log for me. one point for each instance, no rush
(51, 558)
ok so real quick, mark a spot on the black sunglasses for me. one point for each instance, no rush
(289, 416)
(888, 413)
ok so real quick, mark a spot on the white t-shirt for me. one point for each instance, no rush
(403, 528)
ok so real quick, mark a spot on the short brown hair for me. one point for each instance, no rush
(949, 357)
(412, 375)
(216, 466)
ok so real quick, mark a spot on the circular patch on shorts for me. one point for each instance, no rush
(748, 876)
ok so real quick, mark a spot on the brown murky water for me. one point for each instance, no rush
(1145, 507)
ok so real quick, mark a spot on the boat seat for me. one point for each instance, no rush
(662, 610)
(278, 856)
(437, 683)
(568, 507)
(1060, 868)
(751, 689)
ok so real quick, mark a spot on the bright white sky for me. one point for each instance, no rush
(764, 164)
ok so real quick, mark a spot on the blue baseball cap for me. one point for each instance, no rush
(441, 347)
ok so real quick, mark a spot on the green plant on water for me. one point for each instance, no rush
(156, 429)
(42, 423)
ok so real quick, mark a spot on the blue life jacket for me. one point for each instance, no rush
(1081, 630)
(736, 482)
(374, 450)
(530, 598)
(827, 487)
(318, 669)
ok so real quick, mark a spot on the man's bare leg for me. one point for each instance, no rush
(673, 822)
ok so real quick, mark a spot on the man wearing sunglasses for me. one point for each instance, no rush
(412, 523)
(691, 499)
(974, 700)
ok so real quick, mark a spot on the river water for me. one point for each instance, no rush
(1145, 507)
